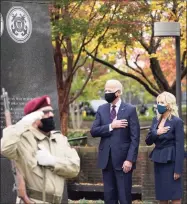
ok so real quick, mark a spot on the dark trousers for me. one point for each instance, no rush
(117, 185)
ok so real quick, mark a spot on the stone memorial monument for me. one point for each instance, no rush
(27, 67)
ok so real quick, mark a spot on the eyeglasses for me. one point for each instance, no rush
(109, 91)
(46, 112)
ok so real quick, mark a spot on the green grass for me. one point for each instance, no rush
(148, 117)
(89, 118)
(76, 134)
(83, 201)
(184, 109)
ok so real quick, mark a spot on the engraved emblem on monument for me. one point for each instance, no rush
(2, 25)
(19, 24)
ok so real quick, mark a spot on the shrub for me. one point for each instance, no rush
(76, 134)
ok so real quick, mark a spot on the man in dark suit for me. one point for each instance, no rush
(118, 126)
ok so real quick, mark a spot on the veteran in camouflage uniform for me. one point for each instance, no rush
(43, 156)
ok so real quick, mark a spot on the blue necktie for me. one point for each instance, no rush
(113, 112)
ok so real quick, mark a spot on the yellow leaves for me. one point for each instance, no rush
(156, 5)
(111, 58)
(53, 43)
(173, 17)
(153, 55)
(83, 54)
(159, 55)
(183, 45)
(98, 5)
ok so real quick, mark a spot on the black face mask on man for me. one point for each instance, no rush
(110, 97)
(48, 124)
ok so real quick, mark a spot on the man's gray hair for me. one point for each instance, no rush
(117, 83)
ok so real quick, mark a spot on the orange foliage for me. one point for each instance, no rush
(167, 59)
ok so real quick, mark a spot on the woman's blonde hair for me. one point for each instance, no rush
(170, 100)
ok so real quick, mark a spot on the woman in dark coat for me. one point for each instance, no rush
(167, 133)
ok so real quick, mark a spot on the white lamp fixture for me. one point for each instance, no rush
(166, 29)
(172, 29)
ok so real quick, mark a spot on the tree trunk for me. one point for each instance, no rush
(64, 122)
(63, 85)
(158, 75)
(63, 111)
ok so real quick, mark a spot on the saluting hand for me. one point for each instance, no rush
(119, 124)
(163, 130)
(31, 118)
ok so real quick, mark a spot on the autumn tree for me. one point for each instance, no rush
(131, 88)
(150, 60)
(76, 23)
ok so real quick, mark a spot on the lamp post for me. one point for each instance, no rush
(172, 29)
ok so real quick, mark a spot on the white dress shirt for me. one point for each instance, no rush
(117, 109)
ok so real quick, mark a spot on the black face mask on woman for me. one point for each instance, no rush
(48, 124)
(110, 97)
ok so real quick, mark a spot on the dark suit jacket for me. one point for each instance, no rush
(168, 146)
(123, 142)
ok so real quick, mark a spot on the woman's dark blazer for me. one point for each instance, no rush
(168, 146)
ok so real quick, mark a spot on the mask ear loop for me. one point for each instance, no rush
(168, 108)
(116, 92)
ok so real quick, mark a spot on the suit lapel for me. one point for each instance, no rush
(121, 111)
(168, 122)
(157, 123)
(107, 113)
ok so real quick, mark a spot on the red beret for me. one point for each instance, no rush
(36, 104)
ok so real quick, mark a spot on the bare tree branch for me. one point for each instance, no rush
(144, 44)
(183, 69)
(136, 63)
(92, 9)
(84, 38)
(152, 42)
(127, 63)
(114, 12)
(79, 54)
(99, 41)
(147, 79)
(184, 73)
(58, 63)
(155, 66)
(75, 8)
(85, 83)
(151, 91)
(141, 72)
(157, 43)
(65, 48)
(78, 66)
(88, 41)
(183, 60)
